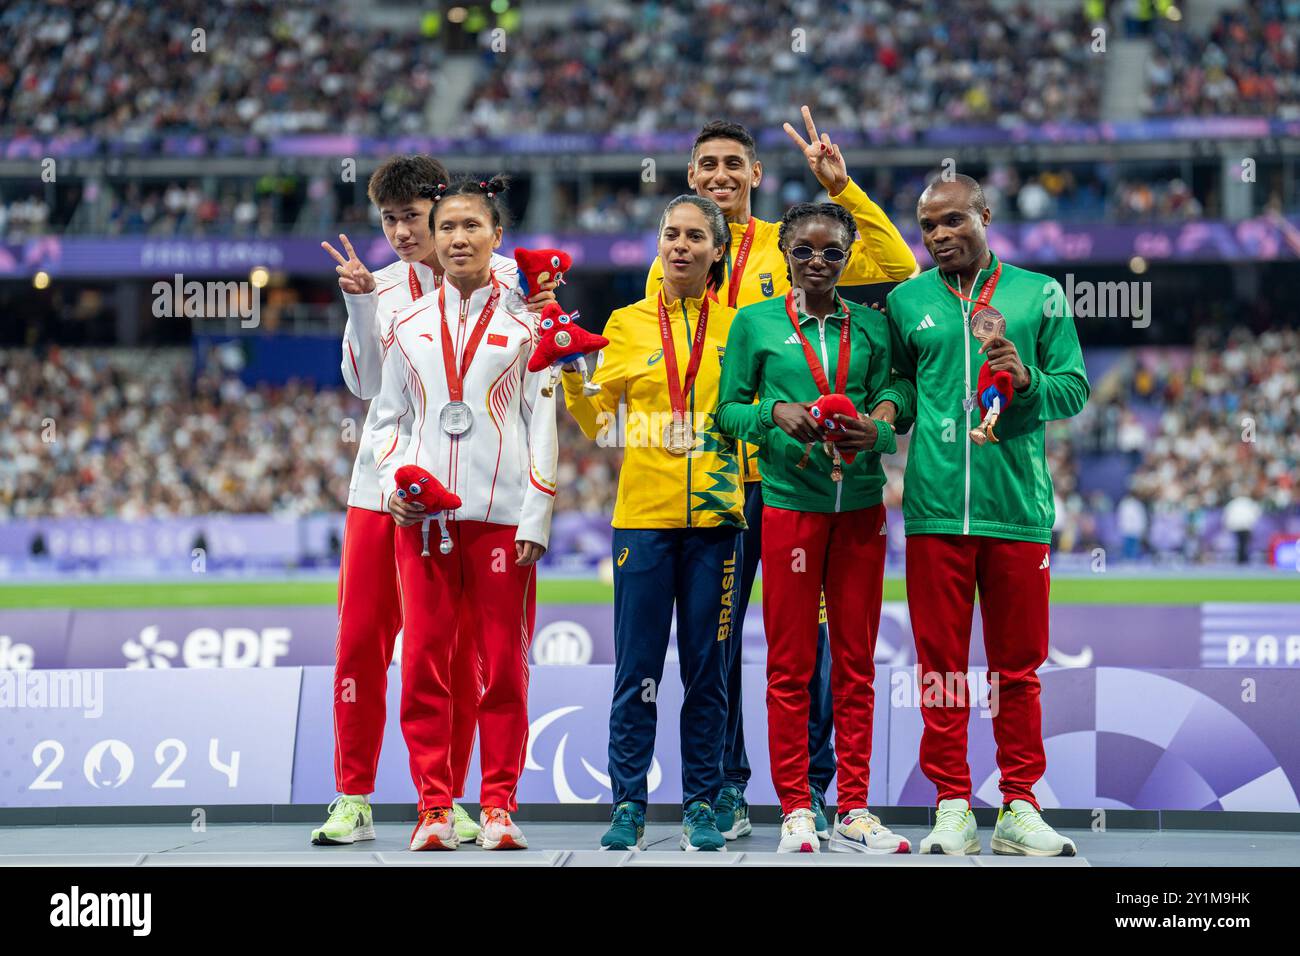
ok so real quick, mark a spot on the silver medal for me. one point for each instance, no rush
(455, 418)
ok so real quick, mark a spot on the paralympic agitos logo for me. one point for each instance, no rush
(564, 793)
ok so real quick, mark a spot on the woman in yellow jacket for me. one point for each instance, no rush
(677, 518)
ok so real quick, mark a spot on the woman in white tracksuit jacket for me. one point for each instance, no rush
(457, 399)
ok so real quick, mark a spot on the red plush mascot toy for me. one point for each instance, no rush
(541, 265)
(416, 484)
(824, 411)
(994, 391)
(563, 341)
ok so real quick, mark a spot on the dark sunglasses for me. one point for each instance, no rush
(830, 255)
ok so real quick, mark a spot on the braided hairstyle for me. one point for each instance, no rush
(813, 210)
(489, 190)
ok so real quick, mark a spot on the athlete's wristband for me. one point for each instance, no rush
(886, 442)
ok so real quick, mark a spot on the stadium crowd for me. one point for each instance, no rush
(131, 434)
(1247, 64)
(897, 66)
(127, 69)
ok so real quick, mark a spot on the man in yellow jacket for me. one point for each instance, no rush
(725, 167)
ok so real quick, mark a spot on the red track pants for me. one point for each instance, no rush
(1013, 579)
(479, 591)
(370, 615)
(805, 553)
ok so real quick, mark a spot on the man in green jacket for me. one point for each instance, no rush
(823, 520)
(978, 516)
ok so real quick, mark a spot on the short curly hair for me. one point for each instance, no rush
(815, 210)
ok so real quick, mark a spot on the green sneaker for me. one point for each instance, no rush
(350, 819)
(700, 829)
(819, 813)
(1021, 832)
(626, 828)
(732, 813)
(955, 832)
(467, 827)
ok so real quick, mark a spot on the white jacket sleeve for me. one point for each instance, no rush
(363, 345)
(394, 414)
(538, 414)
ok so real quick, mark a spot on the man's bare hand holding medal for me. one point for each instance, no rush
(1001, 355)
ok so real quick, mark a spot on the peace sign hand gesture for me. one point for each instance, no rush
(824, 157)
(354, 277)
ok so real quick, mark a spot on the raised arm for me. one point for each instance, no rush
(879, 254)
(363, 344)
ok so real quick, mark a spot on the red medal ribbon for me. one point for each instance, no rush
(677, 390)
(986, 293)
(738, 266)
(413, 283)
(841, 363)
(456, 379)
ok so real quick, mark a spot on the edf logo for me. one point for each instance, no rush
(208, 647)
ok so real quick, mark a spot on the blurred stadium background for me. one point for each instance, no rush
(172, 488)
(148, 448)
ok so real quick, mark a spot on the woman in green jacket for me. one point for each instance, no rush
(823, 520)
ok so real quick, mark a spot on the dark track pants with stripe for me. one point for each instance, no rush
(697, 571)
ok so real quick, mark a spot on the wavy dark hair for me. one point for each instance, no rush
(717, 225)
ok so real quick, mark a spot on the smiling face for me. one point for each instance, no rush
(953, 231)
(406, 227)
(686, 247)
(816, 276)
(721, 170)
(464, 235)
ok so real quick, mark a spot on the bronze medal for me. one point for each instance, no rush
(988, 323)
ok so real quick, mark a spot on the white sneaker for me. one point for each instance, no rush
(799, 832)
(862, 832)
(1021, 832)
(436, 830)
(955, 832)
(498, 832)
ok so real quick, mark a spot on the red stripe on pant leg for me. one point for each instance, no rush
(941, 601)
(1014, 598)
(495, 589)
(432, 596)
(855, 575)
(369, 619)
(794, 553)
